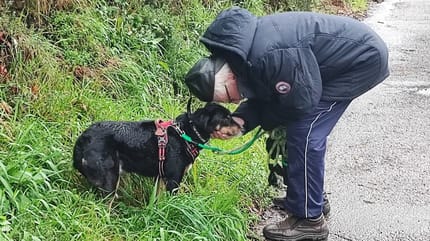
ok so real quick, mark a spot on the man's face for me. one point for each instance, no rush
(226, 90)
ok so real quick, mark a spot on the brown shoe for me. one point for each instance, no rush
(293, 228)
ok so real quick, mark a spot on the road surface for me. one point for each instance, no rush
(378, 160)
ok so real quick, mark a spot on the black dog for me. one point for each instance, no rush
(106, 148)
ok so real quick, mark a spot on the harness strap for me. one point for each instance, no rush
(192, 149)
(162, 137)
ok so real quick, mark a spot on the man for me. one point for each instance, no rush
(299, 70)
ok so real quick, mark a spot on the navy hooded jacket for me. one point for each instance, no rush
(286, 63)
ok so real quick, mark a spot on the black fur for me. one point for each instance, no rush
(106, 147)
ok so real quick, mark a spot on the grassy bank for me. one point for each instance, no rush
(65, 64)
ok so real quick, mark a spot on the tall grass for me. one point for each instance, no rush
(83, 61)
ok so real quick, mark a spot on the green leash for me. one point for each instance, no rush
(220, 151)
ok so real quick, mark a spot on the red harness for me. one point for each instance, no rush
(163, 139)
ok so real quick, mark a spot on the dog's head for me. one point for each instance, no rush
(211, 117)
(98, 166)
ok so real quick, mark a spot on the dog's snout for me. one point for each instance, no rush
(103, 186)
(107, 188)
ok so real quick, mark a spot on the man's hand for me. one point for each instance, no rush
(228, 132)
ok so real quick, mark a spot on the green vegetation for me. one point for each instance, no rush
(73, 62)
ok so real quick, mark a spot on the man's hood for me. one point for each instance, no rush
(232, 30)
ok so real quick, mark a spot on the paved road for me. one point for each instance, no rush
(378, 161)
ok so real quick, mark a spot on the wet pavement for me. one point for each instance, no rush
(378, 159)
(378, 163)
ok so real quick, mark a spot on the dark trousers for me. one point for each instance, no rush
(306, 145)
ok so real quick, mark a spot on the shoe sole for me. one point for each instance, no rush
(316, 237)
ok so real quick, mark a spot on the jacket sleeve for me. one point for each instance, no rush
(293, 79)
(250, 112)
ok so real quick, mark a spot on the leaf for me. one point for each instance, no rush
(6, 107)
(4, 224)
(34, 90)
(164, 65)
(6, 185)
(3, 70)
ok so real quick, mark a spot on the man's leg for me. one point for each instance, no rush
(306, 144)
(306, 141)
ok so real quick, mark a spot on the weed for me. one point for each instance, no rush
(78, 62)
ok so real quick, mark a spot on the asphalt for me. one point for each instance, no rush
(378, 159)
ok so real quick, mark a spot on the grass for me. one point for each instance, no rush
(78, 62)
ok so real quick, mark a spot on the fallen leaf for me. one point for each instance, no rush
(6, 107)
